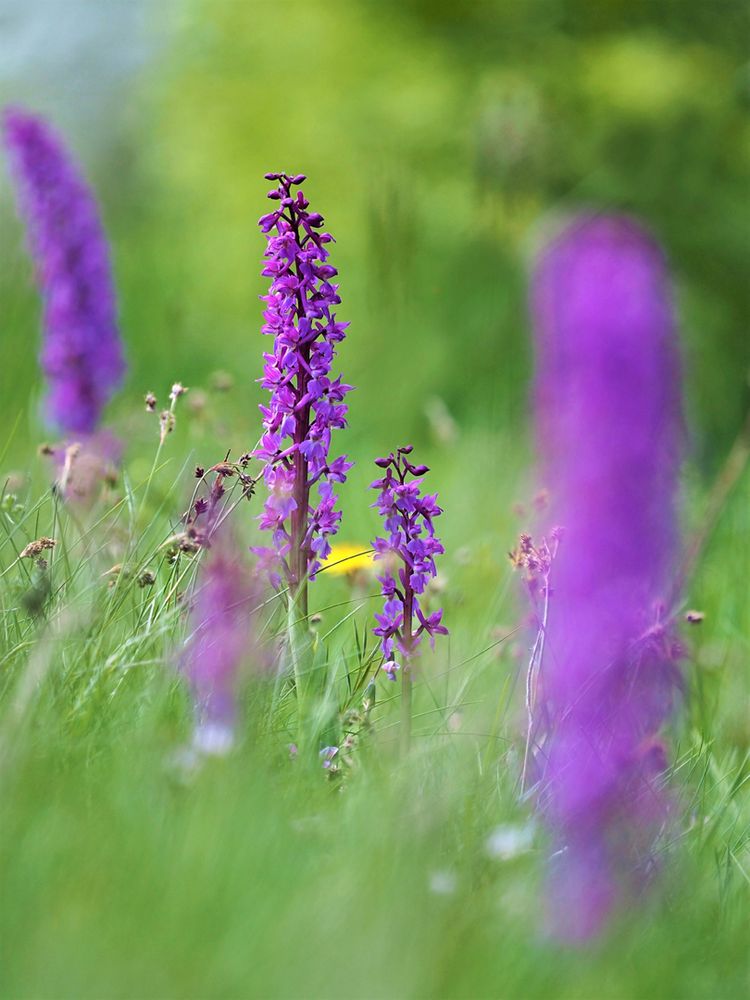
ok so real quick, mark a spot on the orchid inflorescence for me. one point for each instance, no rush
(408, 518)
(306, 402)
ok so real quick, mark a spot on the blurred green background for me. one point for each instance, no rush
(440, 139)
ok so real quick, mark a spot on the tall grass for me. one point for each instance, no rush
(127, 870)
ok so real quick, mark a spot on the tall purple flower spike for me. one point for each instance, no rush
(610, 433)
(82, 355)
(306, 402)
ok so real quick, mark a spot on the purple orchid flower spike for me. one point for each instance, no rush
(82, 356)
(306, 403)
(611, 439)
(409, 551)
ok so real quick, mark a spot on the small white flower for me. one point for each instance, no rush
(509, 840)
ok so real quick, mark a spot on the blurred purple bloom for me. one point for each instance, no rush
(222, 638)
(82, 355)
(306, 402)
(408, 518)
(610, 432)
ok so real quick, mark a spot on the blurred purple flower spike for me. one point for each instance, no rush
(82, 355)
(610, 432)
(223, 637)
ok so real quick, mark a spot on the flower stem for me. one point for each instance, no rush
(299, 550)
(296, 629)
(406, 687)
(406, 677)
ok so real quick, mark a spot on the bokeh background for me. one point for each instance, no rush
(440, 140)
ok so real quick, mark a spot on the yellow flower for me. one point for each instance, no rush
(347, 559)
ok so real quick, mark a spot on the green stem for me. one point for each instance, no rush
(406, 699)
(406, 678)
(296, 629)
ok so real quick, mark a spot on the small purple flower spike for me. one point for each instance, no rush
(611, 439)
(221, 640)
(411, 544)
(82, 355)
(306, 403)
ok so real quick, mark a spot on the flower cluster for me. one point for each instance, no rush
(82, 355)
(411, 546)
(306, 402)
(609, 423)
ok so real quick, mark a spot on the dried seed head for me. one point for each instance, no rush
(224, 469)
(38, 546)
(166, 424)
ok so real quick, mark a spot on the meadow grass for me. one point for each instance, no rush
(129, 871)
